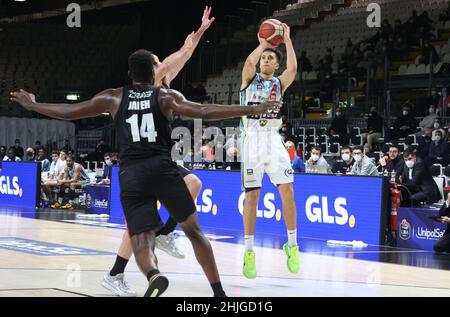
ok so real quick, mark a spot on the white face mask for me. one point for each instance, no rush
(436, 125)
(315, 157)
(405, 113)
(358, 158)
(409, 164)
(346, 157)
(108, 162)
(431, 110)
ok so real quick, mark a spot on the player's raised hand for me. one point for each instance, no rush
(269, 107)
(206, 21)
(24, 98)
(286, 33)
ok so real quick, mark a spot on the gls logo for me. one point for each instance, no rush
(317, 211)
(269, 207)
(8, 187)
(206, 203)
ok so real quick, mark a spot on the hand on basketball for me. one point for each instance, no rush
(25, 99)
(206, 21)
(286, 33)
(265, 43)
(267, 108)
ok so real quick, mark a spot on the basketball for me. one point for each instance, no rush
(272, 31)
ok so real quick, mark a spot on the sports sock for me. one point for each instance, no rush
(249, 240)
(119, 266)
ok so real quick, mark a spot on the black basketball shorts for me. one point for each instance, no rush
(143, 183)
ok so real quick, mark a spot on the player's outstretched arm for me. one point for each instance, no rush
(172, 100)
(106, 101)
(249, 70)
(288, 76)
(175, 62)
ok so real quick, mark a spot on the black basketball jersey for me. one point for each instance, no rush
(142, 129)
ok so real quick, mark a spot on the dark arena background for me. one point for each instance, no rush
(364, 120)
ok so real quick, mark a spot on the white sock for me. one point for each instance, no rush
(249, 243)
(292, 238)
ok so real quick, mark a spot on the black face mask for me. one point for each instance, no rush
(30, 154)
(114, 162)
(427, 138)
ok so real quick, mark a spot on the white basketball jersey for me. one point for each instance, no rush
(257, 92)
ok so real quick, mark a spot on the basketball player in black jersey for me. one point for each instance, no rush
(147, 173)
(165, 72)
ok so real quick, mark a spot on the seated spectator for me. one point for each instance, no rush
(417, 178)
(30, 155)
(427, 122)
(345, 165)
(2, 152)
(42, 158)
(374, 127)
(11, 155)
(369, 152)
(443, 244)
(424, 143)
(437, 127)
(316, 163)
(304, 64)
(52, 178)
(363, 166)
(438, 151)
(107, 170)
(404, 125)
(18, 149)
(297, 163)
(73, 177)
(339, 126)
(393, 162)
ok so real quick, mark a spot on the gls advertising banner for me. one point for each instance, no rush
(416, 230)
(328, 207)
(19, 184)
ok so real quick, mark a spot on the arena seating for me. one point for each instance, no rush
(47, 58)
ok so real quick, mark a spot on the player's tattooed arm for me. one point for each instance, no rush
(107, 101)
(173, 101)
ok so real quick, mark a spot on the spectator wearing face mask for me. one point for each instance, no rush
(418, 180)
(339, 126)
(437, 126)
(344, 165)
(374, 127)
(297, 163)
(316, 163)
(364, 166)
(393, 162)
(405, 125)
(427, 122)
(107, 169)
(438, 151)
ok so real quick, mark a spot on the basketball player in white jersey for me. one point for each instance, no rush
(263, 150)
(165, 72)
